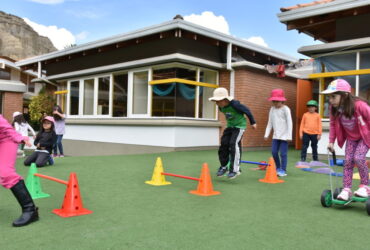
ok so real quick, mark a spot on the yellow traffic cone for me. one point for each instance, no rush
(158, 179)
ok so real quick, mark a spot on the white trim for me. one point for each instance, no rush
(68, 101)
(170, 25)
(96, 90)
(110, 112)
(228, 56)
(12, 86)
(81, 95)
(196, 97)
(232, 83)
(137, 63)
(319, 9)
(357, 76)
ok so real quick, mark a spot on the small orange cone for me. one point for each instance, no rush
(271, 176)
(72, 204)
(205, 187)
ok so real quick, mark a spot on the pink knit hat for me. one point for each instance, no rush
(337, 85)
(49, 118)
(277, 95)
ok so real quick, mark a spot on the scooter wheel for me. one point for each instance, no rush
(368, 206)
(337, 192)
(326, 200)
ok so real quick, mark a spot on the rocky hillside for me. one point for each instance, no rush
(19, 41)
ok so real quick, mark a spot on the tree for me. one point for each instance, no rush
(41, 104)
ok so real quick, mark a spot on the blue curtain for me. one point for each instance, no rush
(187, 92)
(162, 91)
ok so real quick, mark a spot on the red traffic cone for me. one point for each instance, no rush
(72, 204)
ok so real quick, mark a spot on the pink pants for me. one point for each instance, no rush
(8, 156)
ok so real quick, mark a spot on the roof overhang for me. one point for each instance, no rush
(12, 86)
(320, 9)
(151, 30)
(354, 44)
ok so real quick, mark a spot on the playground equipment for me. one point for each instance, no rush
(329, 197)
(271, 175)
(72, 203)
(261, 165)
(205, 187)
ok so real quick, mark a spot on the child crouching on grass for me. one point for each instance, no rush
(231, 148)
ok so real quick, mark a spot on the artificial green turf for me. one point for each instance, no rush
(129, 214)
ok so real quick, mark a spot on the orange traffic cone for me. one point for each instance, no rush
(72, 204)
(271, 176)
(205, 187)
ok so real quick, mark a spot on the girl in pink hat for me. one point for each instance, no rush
(350, 123)
(44, 143)
(280, 120)
(9, 140)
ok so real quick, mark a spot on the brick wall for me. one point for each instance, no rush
(253, 88)
(12, 101)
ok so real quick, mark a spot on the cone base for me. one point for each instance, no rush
(63, 213)
(154, 183)
(272, 182)
(196, 192)
(40, 195)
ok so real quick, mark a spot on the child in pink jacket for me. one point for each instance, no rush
(350, 123)
(9, 140)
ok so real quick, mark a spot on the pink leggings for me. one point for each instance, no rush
(355, 154)
(8, 156)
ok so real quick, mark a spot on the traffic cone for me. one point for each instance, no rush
(271, 176)
(158, 179)
(72, 204)
(205, 187)
(33, 184)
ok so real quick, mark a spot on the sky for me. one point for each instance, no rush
(68, 22)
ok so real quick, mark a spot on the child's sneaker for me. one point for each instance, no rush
(281, 173)
(61, 156)
(221, 171)
(55, 155)
(345, 195)
(363, 191)
(233, 175)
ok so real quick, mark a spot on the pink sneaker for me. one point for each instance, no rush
(363, 191)
(61, 155)
(55, 155)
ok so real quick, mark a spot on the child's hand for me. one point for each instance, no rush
(28, 143)
(331, 147)
(301, 137)
(318, 137)
(266, 138)
(38, 145)
(34, 137)
(254, 126)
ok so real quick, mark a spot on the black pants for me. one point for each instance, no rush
(40, 158)
(231, 148)
(306, 142)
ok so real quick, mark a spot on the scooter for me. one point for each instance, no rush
(329, 197)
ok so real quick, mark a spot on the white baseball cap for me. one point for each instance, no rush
(16, 113)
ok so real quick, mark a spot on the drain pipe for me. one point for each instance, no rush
(229, 67)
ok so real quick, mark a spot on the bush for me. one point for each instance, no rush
(41, 104)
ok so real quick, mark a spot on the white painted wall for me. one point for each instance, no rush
(165, 136)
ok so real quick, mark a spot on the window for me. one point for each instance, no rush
(207, 108)
(75, 97)
(103, 95)
(31, 87)
(140, 93)
(120, 83)
(88, 97)
(5, 74)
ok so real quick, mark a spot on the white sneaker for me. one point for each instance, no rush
(363, 191)
(345, 194)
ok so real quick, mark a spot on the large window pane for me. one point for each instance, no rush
(103, 95)
(364, 91)
(89, 97)
(206, 107)
(140, 93)
(5, 74)
(174, 99)
(75, 92)
(120, 95)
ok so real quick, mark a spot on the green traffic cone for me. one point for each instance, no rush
(33, 184)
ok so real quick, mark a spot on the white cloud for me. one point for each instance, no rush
(60, 37)
(82, 35)
(209, 20)
(47, 1)
(257, 40)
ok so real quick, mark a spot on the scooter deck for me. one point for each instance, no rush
(353, 199)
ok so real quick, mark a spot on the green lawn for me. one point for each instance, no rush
(129, 214)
